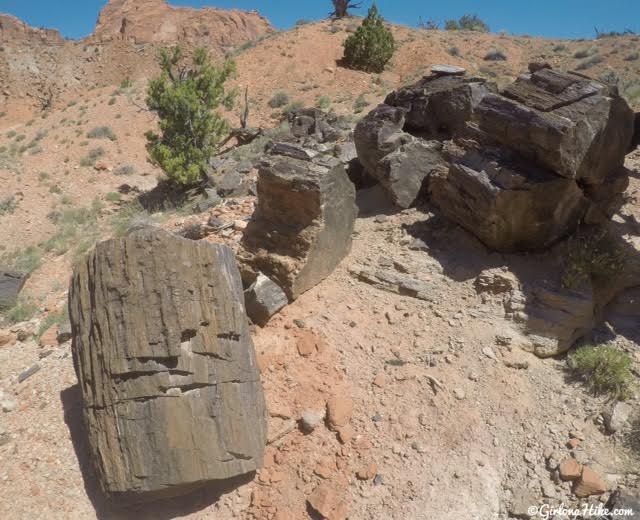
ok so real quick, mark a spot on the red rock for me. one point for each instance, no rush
(570, 469)
(50, 337)
(574, 443)
(367, 473)
(379, 381)
(306, 343)
(328, 503)
(339, 411)
(589, 483)
(322, 471)
(345, 434)
(7, 338)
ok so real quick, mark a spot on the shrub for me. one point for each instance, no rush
(91, 158)
(125, 169)
(606, 370)
(590, 62)
(113, 196)
(55, 318)
(582, 54)
(632, 57)
(22, 311)
(495, 56)
(101, 132)
(453, 51)
(186, 100)
(112, 101)
(25, 260)
(323, 102)
(292, 107)
(8, 204)
(279, 100)
(360, 104)
(467, 22)
(561, 47)
(372, 45)
(591, 257)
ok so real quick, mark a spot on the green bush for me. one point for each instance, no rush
(467, 22)
(279, 100)
(591, 257)
(606, 370)
(360, 104)
(372, 45)
(101, 132)
(22, 311)
(495, 55)
(323, 102)
(186, 100)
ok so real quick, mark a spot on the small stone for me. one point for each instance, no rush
(617, 417)
(311, 419)
(339, 411)
(307, 343)
(345, 434)
(240, 225)
(521, 503)
(380, 219)
(328, 503)
(379, 381)
(570, 469)
(459, 394)
(299, 323)
(26, 374)
(419, 447)
(7, 338)
(322, 471)
(488, 352)
(589, 484)
(7, 403)
(64, 332)
(50, 337)
(548, 489)
(378, 480)
(573, 444)
(367, 473)
(448, 70)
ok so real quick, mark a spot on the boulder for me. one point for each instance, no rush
(626, 505)
(440, 105)
(263, 299)
(562, 121)
(11, 283)
(171, 391)
(302, 225)
(314, 122)
(553, 317)
(635, 141)
(509, 204)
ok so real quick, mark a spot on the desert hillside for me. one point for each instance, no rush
(426, 375)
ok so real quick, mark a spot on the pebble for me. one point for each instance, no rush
(311, 419)
(26, 374)
(459, 394)
(419, 447)
(488, 352)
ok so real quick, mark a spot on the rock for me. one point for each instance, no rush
(328, 503)
(635, 141)
(339, 411)
(230, 185)
(368, 472)
(447, 70)
(439, 106)
(516, 359)
(50, 337)
(459, 394)
(302, 225)
(293, 151)
(11, 283)
(535, 66)
(7, 338)
(555, 317)
(211, 200)
(64, 332)
(570, 469)
(622, 501)
(311, 419)
(7, 403)
(521, 502)
(510, 205)
(496, 281)
(264, 299)
(26, 374)
(617, 417)
(589, 484)
(307, 343)
(394, 282)
(405, 172)
(563, 121)
(172, 397)
(323, 126)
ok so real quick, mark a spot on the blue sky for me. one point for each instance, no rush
(553, 18)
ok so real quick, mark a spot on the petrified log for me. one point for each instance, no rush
(171, 389)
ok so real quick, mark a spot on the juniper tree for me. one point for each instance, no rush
(186, 97)
(371, 46)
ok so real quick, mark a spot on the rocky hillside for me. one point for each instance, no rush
(40, 69)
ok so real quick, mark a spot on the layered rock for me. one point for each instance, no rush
(11, 284)
(155, 21)
(302, 225)
(171, 389)
(519, 169)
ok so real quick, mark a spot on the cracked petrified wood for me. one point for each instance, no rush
(171, 389)
(301, 229)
